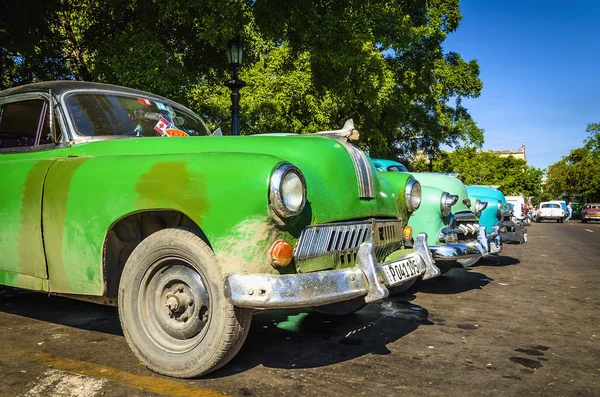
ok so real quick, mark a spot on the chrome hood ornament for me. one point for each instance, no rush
(346, 133)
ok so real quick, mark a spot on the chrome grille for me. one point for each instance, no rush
(466, 225)
(363, 171)
(332, 246)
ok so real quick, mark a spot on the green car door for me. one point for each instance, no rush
(26, 155)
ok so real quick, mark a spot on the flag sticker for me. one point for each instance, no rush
(161, 126)
(144, 102)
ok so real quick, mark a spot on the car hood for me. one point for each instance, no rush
(332, 177)
(448, 184)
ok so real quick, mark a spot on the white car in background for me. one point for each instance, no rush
(550, 211)
(518, 203)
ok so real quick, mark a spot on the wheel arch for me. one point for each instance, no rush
(127, 232)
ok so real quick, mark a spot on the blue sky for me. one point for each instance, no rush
(540, 67)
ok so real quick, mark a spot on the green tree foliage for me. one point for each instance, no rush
(309, 65)
(512, 175)
(578, 174)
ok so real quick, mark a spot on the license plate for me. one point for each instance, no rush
(401, 271)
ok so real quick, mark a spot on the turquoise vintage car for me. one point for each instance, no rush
(122, 197)
(498, 218)
(449, 218)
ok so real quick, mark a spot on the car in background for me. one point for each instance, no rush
(550, 211)
(563, 205)
(590, 212)
(500, 216)
(122, 197)
(449, 217)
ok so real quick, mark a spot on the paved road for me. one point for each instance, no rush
(527, 322)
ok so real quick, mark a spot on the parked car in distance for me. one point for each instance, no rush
(189, 234)
(563, 205)
(498, 217)
(590, 212)
(449, 218)
(550, 211)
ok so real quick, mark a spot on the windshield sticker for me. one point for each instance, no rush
(162, 125)
(144, 102)
(175, 132)
(160, 106)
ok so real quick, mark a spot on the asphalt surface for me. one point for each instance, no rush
(524, 323)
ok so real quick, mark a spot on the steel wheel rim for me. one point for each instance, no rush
(173, 305)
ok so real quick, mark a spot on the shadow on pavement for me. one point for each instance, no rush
(57, 310)
(455, 281)
(307, 339)
(497, 261)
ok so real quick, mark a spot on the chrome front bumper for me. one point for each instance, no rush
(367, 278)
(465, 250)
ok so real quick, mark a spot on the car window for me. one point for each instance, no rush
(550, 206)
(397, 168)
(24, 124)
(103, 114)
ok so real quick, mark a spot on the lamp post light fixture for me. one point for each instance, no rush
(234, 58)
(430, 156)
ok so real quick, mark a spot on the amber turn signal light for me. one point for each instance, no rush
(407, 233)
(281, 253)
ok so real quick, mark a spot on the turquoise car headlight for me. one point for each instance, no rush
(287, 190)
(499, 212)
(479, 207)
(412, 195)
(446, 203)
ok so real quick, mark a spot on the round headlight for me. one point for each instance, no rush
(499, 212)
(287, 190)
(480, 206)
(412, 195)
(446, 203)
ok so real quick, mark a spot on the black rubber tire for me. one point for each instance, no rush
(342, 308)
(226, 326)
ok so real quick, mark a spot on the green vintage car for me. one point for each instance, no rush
(449, 217)
(122, 197)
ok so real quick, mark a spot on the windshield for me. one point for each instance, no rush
(397, 168)
(108, 114)
(550, 206)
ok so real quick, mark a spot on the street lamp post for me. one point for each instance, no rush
(430, 156)
(234, 58)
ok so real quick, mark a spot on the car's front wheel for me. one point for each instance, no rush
(172, 308)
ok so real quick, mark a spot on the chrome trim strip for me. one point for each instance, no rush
(362, 167)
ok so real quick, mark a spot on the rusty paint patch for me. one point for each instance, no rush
(170, 185)
(246, 248)
(152, 384)
(55, 215)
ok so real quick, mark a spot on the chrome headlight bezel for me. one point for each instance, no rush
(499, 210)
(277, 193)
(412, 195)
(479, 207)
(446, 202)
